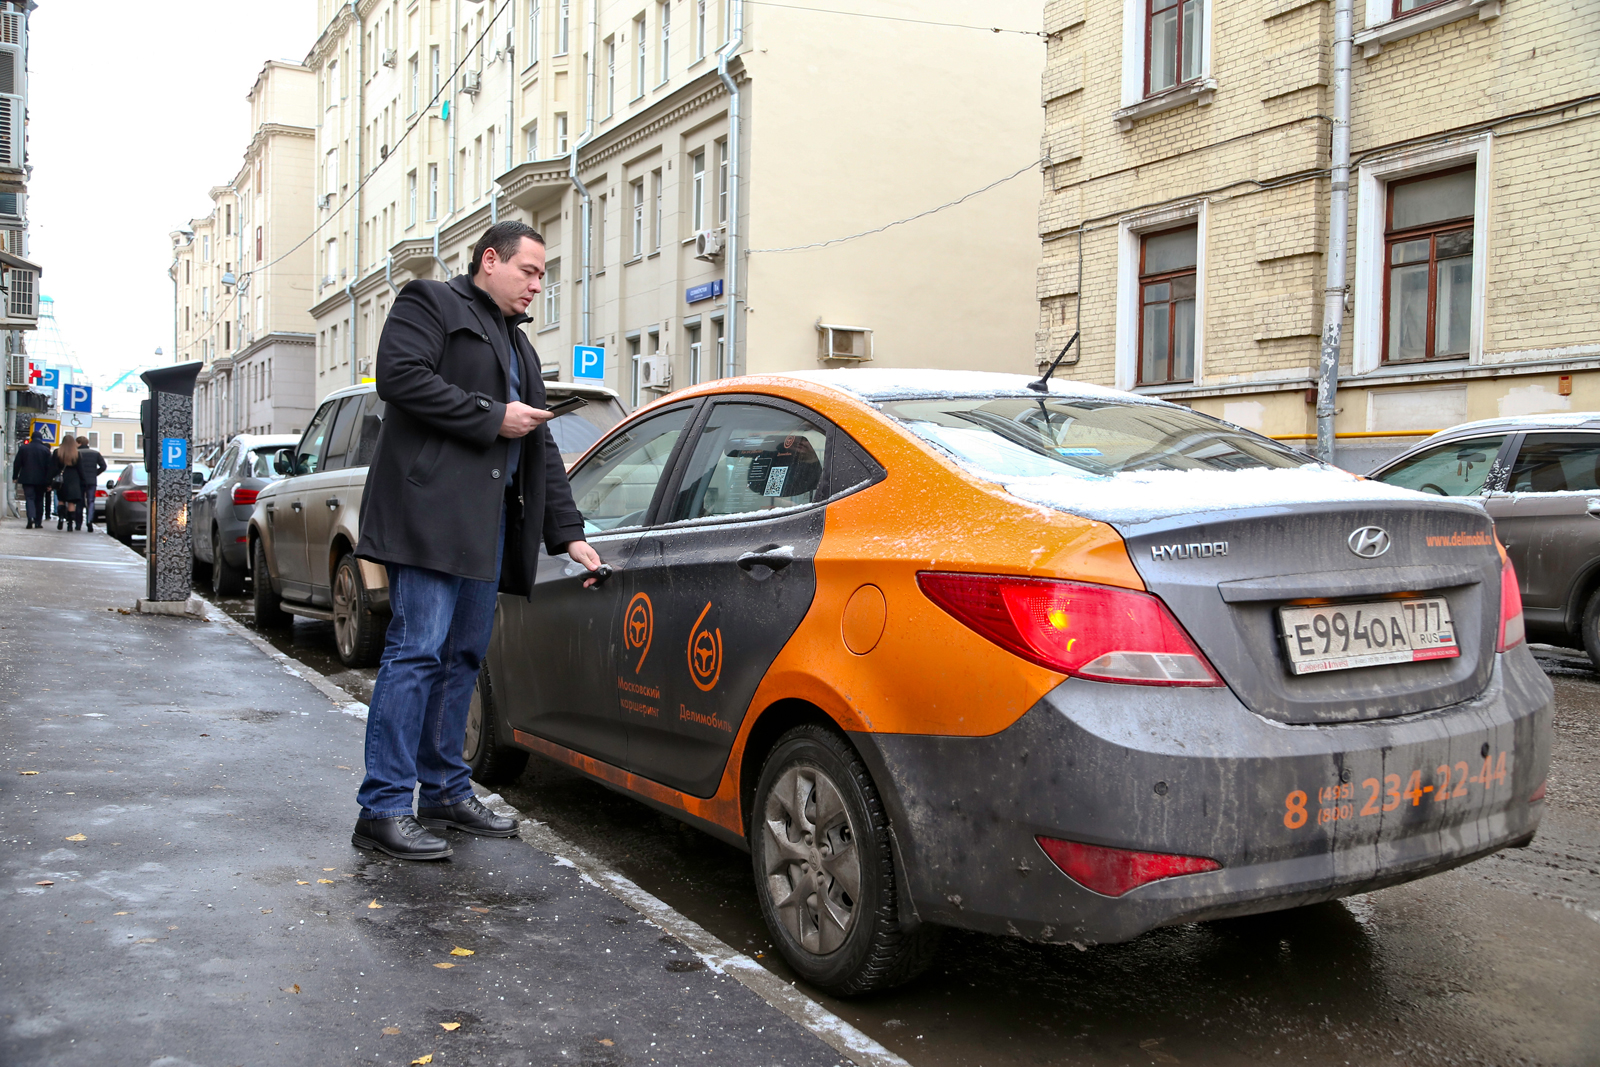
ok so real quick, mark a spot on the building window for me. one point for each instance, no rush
(552, 292)
(639, 56)
(117, 441)
(561, 135)
(94, 438)
(530, 137)
(563, 27)
(611, 77)
(721, 355)
(638, 218)
(665, 18)
(700, 29)
(633, 357)
(205, 248)
(1406, 7)
(1428, 245)
(330, 183)
(1167, 276)
(722, 180)
(535, 13)
(600, 234)
(434, 65)
(411, 199)
(696, 369)
(1172, 43)
(697, 190)
(433, 191)
(477, 166)
(414, 79)
(660, 216)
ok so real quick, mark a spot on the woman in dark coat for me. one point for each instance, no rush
(70, 495)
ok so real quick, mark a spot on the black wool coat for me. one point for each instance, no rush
(34, 465)
(90, 466)
(437, 482)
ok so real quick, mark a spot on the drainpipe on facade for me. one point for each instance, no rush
(1333, 296)
(355, 240)
(724, 54)
(572, 173)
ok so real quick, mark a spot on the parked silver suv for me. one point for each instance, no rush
(305, 527)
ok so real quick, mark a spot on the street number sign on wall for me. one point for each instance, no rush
(589, 361)
(174, 453)
(78, 398)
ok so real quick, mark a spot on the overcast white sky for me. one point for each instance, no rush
(135, 111)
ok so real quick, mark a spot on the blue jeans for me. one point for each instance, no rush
(417, 722)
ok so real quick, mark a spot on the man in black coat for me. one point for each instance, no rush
(91, 464)
(465, 485)
(34, 466)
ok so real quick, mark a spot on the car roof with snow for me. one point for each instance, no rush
(882, 384)
(1551, 421)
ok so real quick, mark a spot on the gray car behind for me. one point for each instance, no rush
(219, 516)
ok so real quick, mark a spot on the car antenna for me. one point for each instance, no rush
(1043, 384)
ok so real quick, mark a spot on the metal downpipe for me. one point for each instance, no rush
(724, 54)
(1333, 294)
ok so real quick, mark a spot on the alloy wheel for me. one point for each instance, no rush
(346, 603)
(474, 737)
(813, 868)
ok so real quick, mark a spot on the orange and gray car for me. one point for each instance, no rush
(943, 650)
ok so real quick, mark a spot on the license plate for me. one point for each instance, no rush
(1339, 637)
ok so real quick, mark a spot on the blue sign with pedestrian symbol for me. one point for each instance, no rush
(588, 361)
(174, 453)
(79, 398)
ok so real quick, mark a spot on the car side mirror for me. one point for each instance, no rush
(197, 478)
(111, 483)
(283, 461)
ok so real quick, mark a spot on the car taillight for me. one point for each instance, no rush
(241, 495)
(1114, 871)
(99, 494)
(1512, 629)
(1088, 631)
(1538, 794)
(137, 496)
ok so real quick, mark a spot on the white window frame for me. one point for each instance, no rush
(552, 293)
(697, 191)
(1384, 27)
(611, 76)
(637, 196)
(530, 140)
(641, 57)
(535, 17)
(1372, 188)
(411, 199)
(664, 18)
(433, 191)
(564, 28)
(658, 185)
(1135, 105)
(700, 20)
(561, 133)
(1130, 231)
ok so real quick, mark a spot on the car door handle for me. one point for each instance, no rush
(332, 502)
(295, 504)
(772, 557)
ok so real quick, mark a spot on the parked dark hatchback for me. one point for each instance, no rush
(1538, 477)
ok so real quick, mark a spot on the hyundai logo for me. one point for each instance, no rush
(1369, 542)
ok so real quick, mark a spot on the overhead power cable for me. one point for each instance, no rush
(902, 222)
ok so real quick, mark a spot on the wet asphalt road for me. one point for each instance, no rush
(1496, 963)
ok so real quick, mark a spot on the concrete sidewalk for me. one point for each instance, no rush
(176, 811)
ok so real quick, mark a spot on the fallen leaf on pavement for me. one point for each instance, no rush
(330, 868)
(423, 1060)
(374, 905)
(480, 911)
(266, 911)
(451, 1026)
(324, 881)
(292, 988)
(172, 928)
(341, 767)
(297, 882)
(28, 772)
(607, 1042)
(77, 837)
(461, 952)
(122, 913)
(390, 1031)
(444, 966)
(45, 882)
(85, 922)
(146, 941)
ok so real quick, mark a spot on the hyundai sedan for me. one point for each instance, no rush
(942, 649)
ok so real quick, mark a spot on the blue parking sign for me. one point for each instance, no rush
(174, 453)
(51, 378)
(588, 361)
(78, 398)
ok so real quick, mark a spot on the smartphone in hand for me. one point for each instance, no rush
(571, 403)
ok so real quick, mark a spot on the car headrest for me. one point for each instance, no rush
(784, 465)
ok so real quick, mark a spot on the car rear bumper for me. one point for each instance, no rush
(1194, 772)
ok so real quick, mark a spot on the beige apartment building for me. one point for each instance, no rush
(242, 275)
(437, 117)
(1185, 216)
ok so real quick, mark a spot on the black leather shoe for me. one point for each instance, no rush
(400, 837)
(469, 815)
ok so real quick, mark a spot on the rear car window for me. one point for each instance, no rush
(139, 475)
(752, 458)
(1025, 437)
(1557, 463)
(1456, 468)
(573, 433)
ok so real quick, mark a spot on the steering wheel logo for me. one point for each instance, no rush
(705, 654)
(638, 627)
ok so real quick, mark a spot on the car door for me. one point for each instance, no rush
(286, 511)
(203, 508)
(563, 669)
(325, 493)
(726, 577)
(1549, 518)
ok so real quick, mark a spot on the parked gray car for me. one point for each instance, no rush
(128, 504)
(1538, 476)
(219, 516)
(304, 529)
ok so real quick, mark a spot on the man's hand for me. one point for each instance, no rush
(583, 552)
(521, 420)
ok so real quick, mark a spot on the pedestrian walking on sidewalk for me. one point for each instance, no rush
(33, 467)
(69, 491)
(465, 485)
(91, 464)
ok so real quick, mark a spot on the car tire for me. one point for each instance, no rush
(226, 579)
(851, 941)
(492, 763)
(269, 609)
(358, 631)
(1590, 628)
(199, 569)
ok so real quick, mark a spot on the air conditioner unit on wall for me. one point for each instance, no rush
(390, 57)
(708, 244)
(655, 372)
(471, 82)
(17, 370)
(853, 343)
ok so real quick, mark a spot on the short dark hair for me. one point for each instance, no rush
(505, 238)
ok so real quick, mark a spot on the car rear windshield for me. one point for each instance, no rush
(139, 475)
(573, 432)
(1028, 437)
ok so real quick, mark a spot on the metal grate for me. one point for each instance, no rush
(10, 27)
(22, 295)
